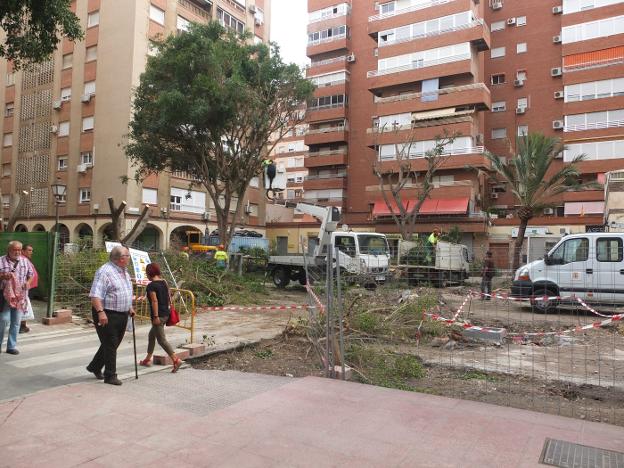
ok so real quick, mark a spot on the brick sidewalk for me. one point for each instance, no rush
(214, 418)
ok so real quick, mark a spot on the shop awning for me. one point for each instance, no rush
(583, 208)
(381, 208)
(430, 207)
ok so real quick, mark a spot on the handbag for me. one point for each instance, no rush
(174, 317)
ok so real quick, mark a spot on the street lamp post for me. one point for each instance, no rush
(58, 190)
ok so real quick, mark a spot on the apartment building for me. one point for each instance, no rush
(67, 119)
(487, 70)
(289, 155)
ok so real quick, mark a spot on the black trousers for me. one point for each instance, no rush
(110, 337)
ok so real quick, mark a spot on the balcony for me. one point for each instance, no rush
(422, 70)
(326, 158)
(476, 94)
(319, 136)
(459, 158)
(403, 11)
(594, 126)
(327, 44)
(321, 67)
(334, 181)
(325, 112)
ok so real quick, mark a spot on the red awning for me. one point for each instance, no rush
(381, 208)
(448, 206)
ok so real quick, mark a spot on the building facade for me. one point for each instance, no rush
(67, 119)
(393, 76)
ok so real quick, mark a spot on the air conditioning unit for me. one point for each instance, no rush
(206, 215)
(518, 83)
(258, 22)
(494, 195)
(252, 8)
(497, 4)
(82, 168)
(559, 94)
(85, 98)
(556, 71)
(549, 211)
(557, 10)
(511, 21)
(520, 110)
(56, 104)
(351, 58)
(557, 124)
(557, 39)
(53, 128)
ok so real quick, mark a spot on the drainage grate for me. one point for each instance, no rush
(568, 455)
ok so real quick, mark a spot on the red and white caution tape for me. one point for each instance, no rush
(258, 308)
(315, 298)
(461, 307)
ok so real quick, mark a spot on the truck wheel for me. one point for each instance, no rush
(302, 279)
(544, 306)
(281, 277)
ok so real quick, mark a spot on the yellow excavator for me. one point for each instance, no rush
(194, 242)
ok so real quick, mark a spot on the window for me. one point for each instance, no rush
(230, 22)
(67, 60)
(10, 79)
(254, 182)
(86, 157)
(187, 200)
(600, 28)
(85, 195)
(157, 15)
(523, 130)
(346, 244)
(429, 27)
(91, 54)
(9, 109)
(63, 129)
(499, 133)
(523, 102)
(6, 170)
(150, 196)
(609, 249)
(594, 120)
(572, 6)
(93, 19)
(152, 49)
(499, 106)
(594, 90)
(182, 24)
(328, 34)
(6, 201)
(87, 124)
(595, 150)
(497, 52)
(498, 78)
(521, 47)
(497, 26)
(7, 140)
(89, 88)
(521, 75)
(61, 163)
(573, 250)
(65, 94)
(521, 20)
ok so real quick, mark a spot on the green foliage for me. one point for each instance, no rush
(207, 104)
(454, 235)
(477, 375)
(74, 277)
(34, 28)
(366, 322)
(266, 353)
(385, 369)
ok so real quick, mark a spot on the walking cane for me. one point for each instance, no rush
(136, 369)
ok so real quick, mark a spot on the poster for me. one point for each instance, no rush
(110, 245)
(140, 260)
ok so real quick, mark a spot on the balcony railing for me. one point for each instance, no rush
(316, 131)
(330, 83)
(433, 33)
(318, 63)
(328, 17)
(593, 64)
(326, 106)
(337, 175)
(451, 152)
(443, 91)
(323, 200)
(314, 154)
(421, 6)
(419, 64)
(325, 40)
(594, 126)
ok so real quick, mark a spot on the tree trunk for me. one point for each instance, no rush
(518, 244)
(19, 200)
(117, 218)
(138, 227)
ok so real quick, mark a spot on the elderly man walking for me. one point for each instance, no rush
(111, 301)
(17, 273)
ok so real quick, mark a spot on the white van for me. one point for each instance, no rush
(589, 266)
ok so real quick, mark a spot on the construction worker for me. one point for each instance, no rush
(270, 170)
(221, 257)
(184, 252)
(432, 242)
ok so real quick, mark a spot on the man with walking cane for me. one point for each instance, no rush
(111, 301)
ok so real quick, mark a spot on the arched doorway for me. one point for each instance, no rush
(177, 238)
(63, 235)
(39, 228)
(106, 232)
(21, 228)
(149, 239)
(84, 234)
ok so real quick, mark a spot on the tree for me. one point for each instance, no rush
(34, 28)
(207, 104)
(534, 180)
(395, 178)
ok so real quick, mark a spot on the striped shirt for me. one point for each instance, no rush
(112, 286)
(22, 268)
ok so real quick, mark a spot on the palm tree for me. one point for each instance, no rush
(534, 180)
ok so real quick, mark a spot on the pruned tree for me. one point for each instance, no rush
(118, 217)
(34, 28)
(18, 202)
(208, 104)
(396, 178)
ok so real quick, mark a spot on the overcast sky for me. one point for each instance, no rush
(288, 28)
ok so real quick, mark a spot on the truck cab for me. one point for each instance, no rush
(588, 266)
(363, 253)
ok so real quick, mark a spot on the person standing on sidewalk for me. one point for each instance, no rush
(160, 302)
(27, 253)
(111, 301)
(487, 273)
(16, 273)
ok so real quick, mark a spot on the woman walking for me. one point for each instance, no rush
(159, 300)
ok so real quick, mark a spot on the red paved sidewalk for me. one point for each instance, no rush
(306, 422)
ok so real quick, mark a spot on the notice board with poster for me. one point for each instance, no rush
(140, 260)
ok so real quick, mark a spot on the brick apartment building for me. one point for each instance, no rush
(486, 69)
(67, 119)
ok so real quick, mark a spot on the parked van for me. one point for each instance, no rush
(589, 266)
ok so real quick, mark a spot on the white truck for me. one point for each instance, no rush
(362, 254)
(450, 266)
